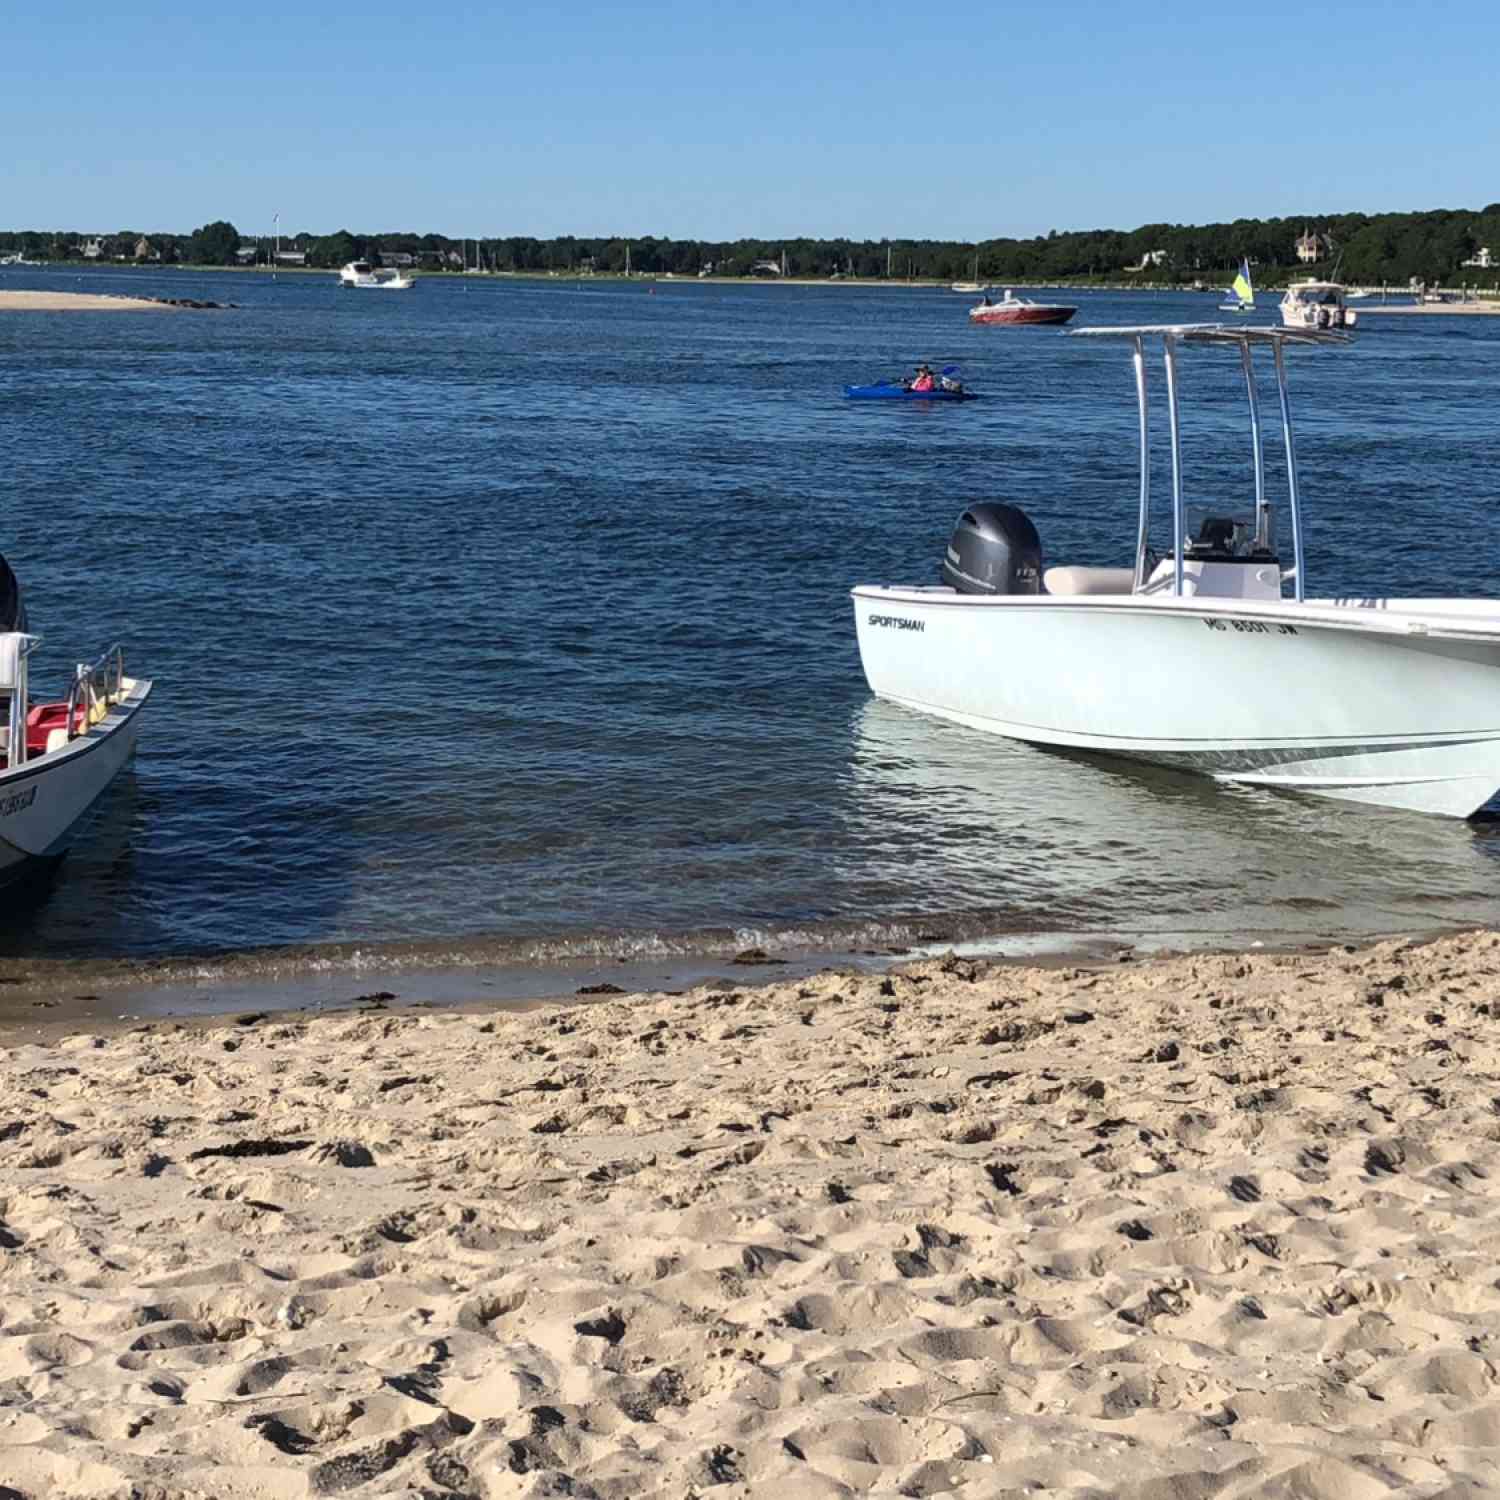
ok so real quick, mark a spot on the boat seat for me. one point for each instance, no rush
(1089, 581)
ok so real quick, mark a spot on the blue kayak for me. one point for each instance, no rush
(891, 390)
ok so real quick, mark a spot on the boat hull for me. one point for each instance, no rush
(1030, 313)
(45, 802)
(885, 392)
(1316, 697)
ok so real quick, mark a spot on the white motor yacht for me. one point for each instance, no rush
(57, 759)
(1211, 658)
(1316, 304)
(360, 274)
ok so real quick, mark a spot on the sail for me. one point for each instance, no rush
(1241, 287)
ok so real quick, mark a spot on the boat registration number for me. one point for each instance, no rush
(1250, 627)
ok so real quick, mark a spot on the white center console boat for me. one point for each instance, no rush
(1210, 659)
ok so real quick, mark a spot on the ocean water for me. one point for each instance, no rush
(503, 621)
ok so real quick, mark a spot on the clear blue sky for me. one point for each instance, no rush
(705, 120)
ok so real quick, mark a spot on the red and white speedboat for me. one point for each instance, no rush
(56, 759)
(1013, 309)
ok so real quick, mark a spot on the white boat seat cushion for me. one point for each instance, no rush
(1089, 580)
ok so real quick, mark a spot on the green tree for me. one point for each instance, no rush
(333, 250)
(214, 244)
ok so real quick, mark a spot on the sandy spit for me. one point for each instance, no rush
(77, 302)
(1211, 1226)
(1429, 309)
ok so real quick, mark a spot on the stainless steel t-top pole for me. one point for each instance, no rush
(1293, 504)
(1169, 348)
(1143, 532)
(1262, 510)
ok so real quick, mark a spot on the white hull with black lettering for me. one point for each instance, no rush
(1397, 703)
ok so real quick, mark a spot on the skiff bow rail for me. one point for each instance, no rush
(1171, 334)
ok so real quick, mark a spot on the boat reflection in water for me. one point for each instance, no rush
(1037, 848)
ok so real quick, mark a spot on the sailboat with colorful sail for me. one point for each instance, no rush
(1241, 293)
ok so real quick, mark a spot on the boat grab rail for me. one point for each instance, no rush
(95, 687)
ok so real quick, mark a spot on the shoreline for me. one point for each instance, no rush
(49, 301)
(1190, 1224)
(46, 997)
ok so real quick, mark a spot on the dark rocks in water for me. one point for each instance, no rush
(193, 302)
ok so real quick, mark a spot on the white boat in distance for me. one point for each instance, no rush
(361, 274)
(971, 286)
(56, 759)
(1316, 304)
(1199, 660)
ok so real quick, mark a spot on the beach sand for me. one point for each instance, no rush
(1428, 309)
(77, 302)
(1189, 1226)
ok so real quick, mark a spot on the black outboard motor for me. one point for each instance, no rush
(12, 606)
(994, 550)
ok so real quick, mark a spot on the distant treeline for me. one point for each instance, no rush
(1440, 246)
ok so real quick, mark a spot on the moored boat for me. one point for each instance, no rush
(1316, 304)
(1014, 309)
(1210, 659)
(361, 275)
(57, 759)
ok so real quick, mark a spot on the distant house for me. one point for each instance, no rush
(396, 258)
(93, 248)
(1482, 259)
(247, 254)
(766, 268)
(1149, 259)
(1311, 247)
(291, 257)
(145, 250)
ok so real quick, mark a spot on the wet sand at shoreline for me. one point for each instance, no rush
(1211, 1225)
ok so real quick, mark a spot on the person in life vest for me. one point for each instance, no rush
(924, 380)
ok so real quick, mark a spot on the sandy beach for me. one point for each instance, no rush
(11, 301)
(1429, 309)
(1187, 1226)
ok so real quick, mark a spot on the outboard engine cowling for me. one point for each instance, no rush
(12, 607)
(994, 550)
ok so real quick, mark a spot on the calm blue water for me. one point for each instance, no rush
(512, 619)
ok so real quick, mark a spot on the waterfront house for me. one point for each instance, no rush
(1312, 247)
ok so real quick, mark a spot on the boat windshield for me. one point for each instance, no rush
(1319, 293)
